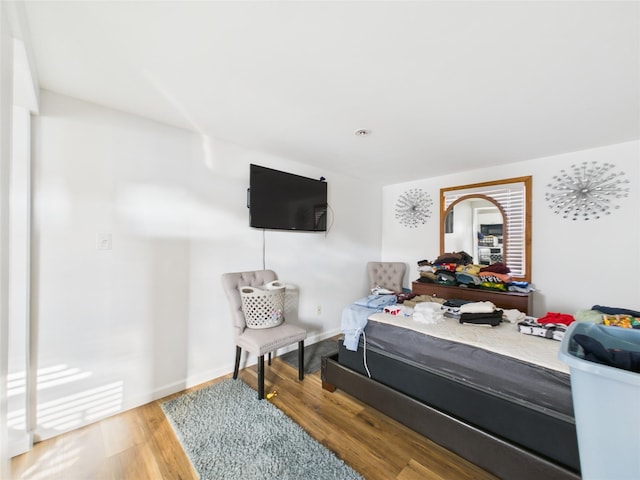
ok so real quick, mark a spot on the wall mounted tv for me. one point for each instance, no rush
(284, 201)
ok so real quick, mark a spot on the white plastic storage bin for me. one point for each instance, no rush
(606, 401)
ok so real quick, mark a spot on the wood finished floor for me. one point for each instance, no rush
(140, 444)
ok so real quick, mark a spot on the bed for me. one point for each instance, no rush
(509, 413)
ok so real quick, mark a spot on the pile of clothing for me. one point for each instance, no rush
(443, 269)
(473, 313)
(428, 312)
(452, 306)
(354, 316)
(552, 325)
(480, 313)
(458, 269)
(624, 321)
(610, 316)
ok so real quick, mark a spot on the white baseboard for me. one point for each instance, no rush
(250, 360)
(22, 445)
(19, 443)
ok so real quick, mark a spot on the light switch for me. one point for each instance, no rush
(103, 241)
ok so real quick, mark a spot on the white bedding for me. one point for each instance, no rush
(503, 339)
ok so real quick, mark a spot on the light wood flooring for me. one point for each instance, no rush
(140, 444)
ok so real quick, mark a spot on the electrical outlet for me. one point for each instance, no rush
(318, 310)
(103, 241)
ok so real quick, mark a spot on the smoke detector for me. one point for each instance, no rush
(362, 132)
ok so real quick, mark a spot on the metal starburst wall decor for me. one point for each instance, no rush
(587, 191)
(413, 208)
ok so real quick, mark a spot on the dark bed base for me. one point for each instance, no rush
(502, 458)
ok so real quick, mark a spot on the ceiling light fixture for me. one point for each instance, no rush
(362, 132)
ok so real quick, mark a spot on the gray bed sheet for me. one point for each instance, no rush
(531, 385)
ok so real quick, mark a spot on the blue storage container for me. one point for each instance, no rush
(606, 401)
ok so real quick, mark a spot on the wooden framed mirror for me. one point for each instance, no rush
(491, 221)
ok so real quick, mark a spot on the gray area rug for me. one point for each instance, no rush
(229, 434)
(312, 355)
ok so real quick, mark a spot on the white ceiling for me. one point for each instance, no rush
(442, 86)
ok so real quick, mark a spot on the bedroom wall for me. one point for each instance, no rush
(117, 328)
(575, 264)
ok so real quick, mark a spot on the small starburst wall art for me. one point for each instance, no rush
(413, 208)
(586, 191)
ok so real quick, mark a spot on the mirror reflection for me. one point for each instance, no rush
(491, 221)
(476, 225)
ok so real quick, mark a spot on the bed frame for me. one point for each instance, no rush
(499, 456)
(496, 455)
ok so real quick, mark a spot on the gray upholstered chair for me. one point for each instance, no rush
(386, 275)
(259, 341)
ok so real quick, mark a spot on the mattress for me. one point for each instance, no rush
(525, 403)
(504, 339)
(473, 355)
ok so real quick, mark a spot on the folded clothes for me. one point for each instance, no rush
(514, 288)
(459, 258)
(450, 267)
(488, 276)
(451, 307)
(513, 315)
(553, 317)
(468, 278)
(492, 319)
(455, 302)
(623, 321)
(478, 307)
(497, 267)
(553, 331)
(428, 312)
(471, 269)
(446, 277)
(498, 286)
(427, 277)
(475, 316)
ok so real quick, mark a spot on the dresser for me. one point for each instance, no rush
(504, 300)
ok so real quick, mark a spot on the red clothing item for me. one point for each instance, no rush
(497, 267)
(552, 317)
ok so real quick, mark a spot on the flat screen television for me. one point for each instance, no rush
(284, 201)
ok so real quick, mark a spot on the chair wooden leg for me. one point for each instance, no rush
(237, 367)
(260, 377)
(269, 359)
(300, 359)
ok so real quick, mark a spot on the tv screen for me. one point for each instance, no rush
(284, 201)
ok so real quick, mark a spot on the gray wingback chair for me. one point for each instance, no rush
(259, 341)
(386, 274)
